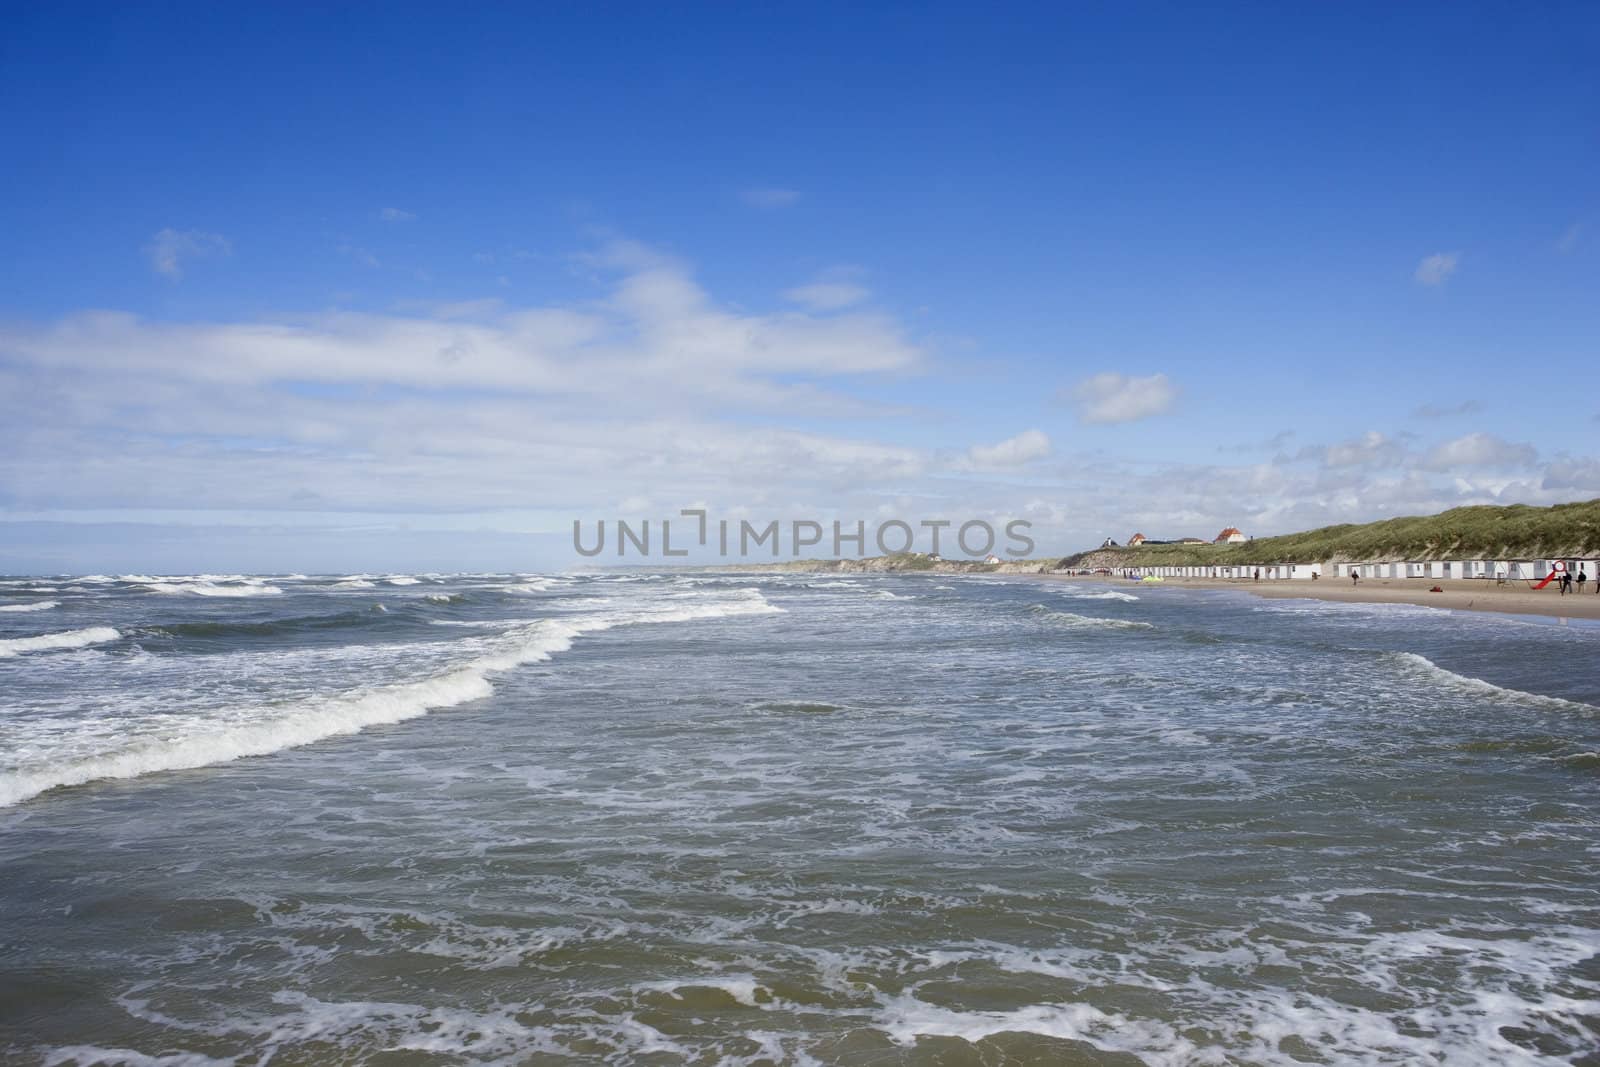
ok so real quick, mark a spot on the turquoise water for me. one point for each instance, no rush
(788, 819)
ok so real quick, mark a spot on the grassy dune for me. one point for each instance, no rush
(1483, 532)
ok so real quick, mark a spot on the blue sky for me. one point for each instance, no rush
(391, 288)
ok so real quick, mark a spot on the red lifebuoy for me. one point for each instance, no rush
(1559, 566)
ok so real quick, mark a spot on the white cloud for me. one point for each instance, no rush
(1479, 450)
(1434, 269)
(1568, 473)
(394, 214)
(769, 198)
(1369, 450)
(169, 248)
(656, 338)
(1012, 452)
(827, 296)
(1112, 397)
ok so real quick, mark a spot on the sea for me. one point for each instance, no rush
(762, 819)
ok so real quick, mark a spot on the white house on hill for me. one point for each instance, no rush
(1230, 536)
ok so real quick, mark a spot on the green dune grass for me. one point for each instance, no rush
(1481, 532)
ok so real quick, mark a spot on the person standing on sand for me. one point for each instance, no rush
(1566, 582)
(1583, 576)
(1258, 574)
(1355, 577)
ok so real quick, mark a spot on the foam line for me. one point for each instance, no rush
(94, 635)
(278, 728)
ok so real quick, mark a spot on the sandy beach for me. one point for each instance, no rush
(1515, 598)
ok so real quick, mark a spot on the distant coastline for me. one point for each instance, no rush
(898, 563)
(1456, 594)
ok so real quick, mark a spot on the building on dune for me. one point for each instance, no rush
(1232, 535)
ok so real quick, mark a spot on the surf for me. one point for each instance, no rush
(93, 635)
(266, 728)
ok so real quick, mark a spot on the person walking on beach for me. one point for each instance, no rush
(1355, 577)
(1566, 582)
(1583, 576)
(1258, 574)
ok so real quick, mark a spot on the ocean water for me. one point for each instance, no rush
(798, 819)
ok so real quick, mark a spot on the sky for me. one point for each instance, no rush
(288, 288)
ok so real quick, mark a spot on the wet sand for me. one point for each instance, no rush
(1460, 594)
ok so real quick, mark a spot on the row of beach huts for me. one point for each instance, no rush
(1492, 569)
(1500, 570)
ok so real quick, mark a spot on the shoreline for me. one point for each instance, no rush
(1460, 594)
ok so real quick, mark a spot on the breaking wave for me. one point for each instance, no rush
(1067, 618)
(43, 605)
(1422, 665)
(203, 588)
(93, 635)
(272, 728)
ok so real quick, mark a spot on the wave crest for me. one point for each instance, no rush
(1424, 666)
(204, 588)
(276, 727)
(43, 605)
(93, 635)
(1067, 618)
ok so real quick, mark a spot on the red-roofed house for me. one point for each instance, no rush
(1136, 540)
(1230, 535)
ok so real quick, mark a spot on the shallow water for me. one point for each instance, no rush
(743, 820)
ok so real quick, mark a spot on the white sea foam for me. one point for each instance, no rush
(1067, 618)
(906, 1018)
(529, 585)
(93, 635)
(741, 987)
(42, 605)
(82, 1055)
(271, 728)
(1109, 594)
(403, 580)
(1425, 667)
(354, 583)
(1514, 984)
(482, 624)
(202, 587)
